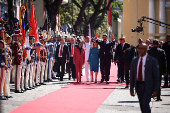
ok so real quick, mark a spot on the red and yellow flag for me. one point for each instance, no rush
(33, 30)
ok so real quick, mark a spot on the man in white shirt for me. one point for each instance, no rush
(87, 47)
(144, 76)
(71, 66)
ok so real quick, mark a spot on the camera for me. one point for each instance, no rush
(138, 29)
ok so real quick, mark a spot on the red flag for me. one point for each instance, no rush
(110, 14)
(32, 22)
(33, 30)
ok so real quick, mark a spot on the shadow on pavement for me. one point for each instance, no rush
(128, 101)
(165, 95)
(166, 104)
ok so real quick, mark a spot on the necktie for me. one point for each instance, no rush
(140, 71)
(72, 50)
(61, 50)
(122, 46)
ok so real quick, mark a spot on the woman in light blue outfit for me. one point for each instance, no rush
(94, 60)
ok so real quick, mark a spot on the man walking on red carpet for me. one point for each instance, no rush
(105, 56)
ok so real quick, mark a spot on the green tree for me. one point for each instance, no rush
(95, 16)
(52, 10)
(114, 5)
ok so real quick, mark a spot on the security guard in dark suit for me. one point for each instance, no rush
(159, 54)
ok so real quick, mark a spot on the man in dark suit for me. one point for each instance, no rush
(119, 54)
(62, 54)
(159, 54)
(161, 44)
(71, 65)
(166, 48)
(148, 44)
(139, 42)
(144, 76)
(128, 56)
(105, 56)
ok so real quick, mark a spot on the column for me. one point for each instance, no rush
(162, 30)
(151, 15)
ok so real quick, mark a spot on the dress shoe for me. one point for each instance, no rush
(158, 99)
(165, 86)
(18, 91)
(3, 98)
(95, 81)
(126, 87)
(37, 84)
(107, 82)
(54, 77)
(101, 81)
(45, 80)
(57, 75)
(28, 88)
(42, 84)
(8, 96)
(23, 89)
(122, 81)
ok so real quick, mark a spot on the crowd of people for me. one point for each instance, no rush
(140, 66)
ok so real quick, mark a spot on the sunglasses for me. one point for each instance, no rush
(121, 39)
(104, 37)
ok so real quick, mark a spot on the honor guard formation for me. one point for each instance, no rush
(33, 63)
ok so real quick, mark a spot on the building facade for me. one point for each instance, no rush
(4, 8)
(155, 9)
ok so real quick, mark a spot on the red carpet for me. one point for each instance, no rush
(74, 98)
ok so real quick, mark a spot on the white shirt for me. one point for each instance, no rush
(87, 50)
(71, 50)
(143, 67)
(123, 45)
(59, 51)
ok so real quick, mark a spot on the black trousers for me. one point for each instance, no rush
(159, 89)
(121, 68)
(144, 98)
(166, 78)
(126, 70)
(105, 68)
(72, 68)
(61, 64)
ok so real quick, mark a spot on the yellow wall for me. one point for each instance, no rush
(134, 10)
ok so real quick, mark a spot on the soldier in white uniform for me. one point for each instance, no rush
(87, 47)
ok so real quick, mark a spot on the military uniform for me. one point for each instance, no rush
(28, 66)
(8, 72)
(51, 58)
(3, 62)
(23, 69)
(43, 60)
(55, 47)
(18, 62)
(38, 66)
(46, 63)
